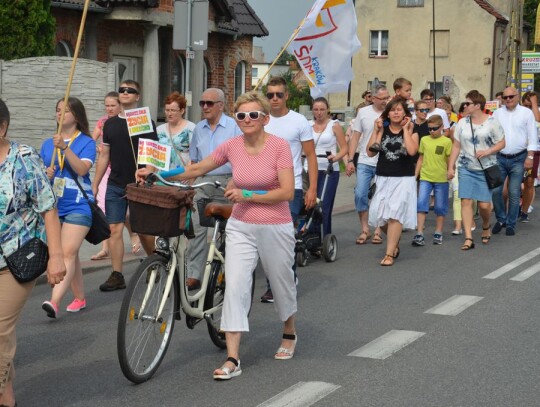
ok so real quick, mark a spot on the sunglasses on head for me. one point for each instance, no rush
(209, 103)
(509, 97)
(255, 115)
(423, 110)
(271, 95)
(127, 89)
(434, 128)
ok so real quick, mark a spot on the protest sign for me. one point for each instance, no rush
(139, 121)
(153, 153)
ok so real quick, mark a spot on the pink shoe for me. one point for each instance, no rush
(76, 305)
(50, 308)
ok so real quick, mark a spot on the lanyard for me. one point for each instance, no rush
(61, 155)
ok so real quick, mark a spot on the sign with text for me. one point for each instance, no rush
(139, 121)
(530, 62)
(153, 153)
(492, 105)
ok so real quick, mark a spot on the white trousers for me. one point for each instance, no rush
(245, 244)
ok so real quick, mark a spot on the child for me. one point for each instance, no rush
(403, 89)
(432, 167)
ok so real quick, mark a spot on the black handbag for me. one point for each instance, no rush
(493, 173)
(100, 229)
(29, 261)
(371, 190)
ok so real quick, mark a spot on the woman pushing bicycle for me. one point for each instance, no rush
(260, 225)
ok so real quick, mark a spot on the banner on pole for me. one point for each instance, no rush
(153, 153)
(325, 44)
(139, 121)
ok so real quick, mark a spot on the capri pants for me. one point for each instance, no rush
(245, 244)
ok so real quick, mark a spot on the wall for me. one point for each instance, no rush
(31, 87)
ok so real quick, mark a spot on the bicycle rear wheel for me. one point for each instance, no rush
(142, 340)
(214, 297)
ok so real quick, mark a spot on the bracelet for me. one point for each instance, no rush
(350, 161)
(247, 194)
(65, 148)
(530, 157)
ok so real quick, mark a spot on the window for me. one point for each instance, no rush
(63, 49)
(178, 80)
(442, 43)
(371, 84)
(239, 79)
(255, 73)
(410, 3)
(378, 44)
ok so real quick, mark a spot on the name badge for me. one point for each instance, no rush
(58, 187)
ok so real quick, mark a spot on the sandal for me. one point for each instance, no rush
(363, 238)
(396, 252)
(485, 239)
(101, 255)
(377, 239)
(388, 260)
(286, 353)
(228, 373)
(469, 246)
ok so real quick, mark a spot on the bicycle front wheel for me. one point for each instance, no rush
(142, 338)
(214, 297)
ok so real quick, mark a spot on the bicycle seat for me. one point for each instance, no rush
(218, 210)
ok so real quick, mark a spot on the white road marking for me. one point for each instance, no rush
(387, 344)
(302, 394)
(525, 274)
(512, 265)
(454, 305)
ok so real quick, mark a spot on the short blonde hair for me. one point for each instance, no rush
(253, 96)
(436, 120)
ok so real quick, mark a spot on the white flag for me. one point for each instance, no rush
(325, 45)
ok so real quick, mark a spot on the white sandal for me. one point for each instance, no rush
(228, 372)
(287, 353)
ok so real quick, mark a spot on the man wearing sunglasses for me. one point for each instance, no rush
(120, 150)
(518, 154)
(294, 128)
(215, 128)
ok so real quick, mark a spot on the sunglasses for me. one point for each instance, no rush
(434, 128)
(423, 110)
(509, 97)
(255, 115)
(209, 103)
(126, 89)
(467, 104)
(271, 95)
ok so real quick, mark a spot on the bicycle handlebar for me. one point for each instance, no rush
(153, 177)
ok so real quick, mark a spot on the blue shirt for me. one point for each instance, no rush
(205, 141)
(72, 200)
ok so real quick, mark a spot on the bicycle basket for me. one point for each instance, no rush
(205, 221)
(158, 210)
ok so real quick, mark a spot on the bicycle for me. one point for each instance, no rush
(155, 295)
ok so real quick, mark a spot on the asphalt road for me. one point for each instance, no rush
(365, 338)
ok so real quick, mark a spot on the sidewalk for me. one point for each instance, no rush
(344, 202)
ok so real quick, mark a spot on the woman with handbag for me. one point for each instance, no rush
(393, 206)
(70, 154)
(477, 139)
(27, 210)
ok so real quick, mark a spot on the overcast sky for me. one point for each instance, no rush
(281, 17)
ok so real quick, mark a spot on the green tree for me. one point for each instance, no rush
(27, 29)
(284, 58)
(297, 96)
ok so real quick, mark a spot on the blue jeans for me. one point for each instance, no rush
(440, 192)
(364, 175)
(513, 169)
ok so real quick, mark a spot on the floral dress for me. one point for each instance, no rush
(180, 143)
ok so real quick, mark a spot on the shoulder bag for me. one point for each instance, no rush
(100, 229)
(29, 261)
(493, 173)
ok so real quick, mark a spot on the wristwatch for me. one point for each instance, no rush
(530, 157)
(350, 161)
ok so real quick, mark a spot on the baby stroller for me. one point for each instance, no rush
(309, 232)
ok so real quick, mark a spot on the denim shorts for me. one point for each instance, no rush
(77, 219)
(440, 192)
(116, 204)
(364, 175)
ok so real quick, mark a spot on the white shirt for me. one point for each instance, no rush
(324, 141)
(519, 129)
(294, 128)
(364, 123)
(444, 117)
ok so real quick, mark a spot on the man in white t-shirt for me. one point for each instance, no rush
(428, 96)
(294, 128)
(365, 168)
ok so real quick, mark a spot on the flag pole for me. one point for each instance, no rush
(293, 36)
(71, 73)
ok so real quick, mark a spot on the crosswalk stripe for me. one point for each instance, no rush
(454, 305)
(387, 344)
(525, 274)
(302, 394)
(512, 265)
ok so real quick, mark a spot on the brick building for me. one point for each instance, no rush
(138, 36)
